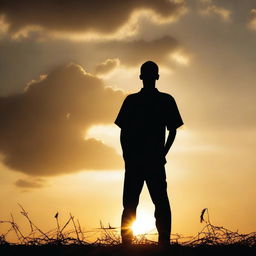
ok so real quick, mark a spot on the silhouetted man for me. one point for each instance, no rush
(143, 119)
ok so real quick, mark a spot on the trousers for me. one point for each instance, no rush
(155, 177)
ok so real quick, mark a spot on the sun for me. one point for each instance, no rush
(144, 223)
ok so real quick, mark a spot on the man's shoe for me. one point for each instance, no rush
(164, 243)
(126, 241)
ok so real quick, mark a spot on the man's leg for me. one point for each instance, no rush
(157, 186)
(133, 183)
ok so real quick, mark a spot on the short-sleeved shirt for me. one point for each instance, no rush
(143, 118)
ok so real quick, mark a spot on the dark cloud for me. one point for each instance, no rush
(106, 66)
(104, 16)
(36, 183)
(135, 52)
(17, 62)
(42, 129)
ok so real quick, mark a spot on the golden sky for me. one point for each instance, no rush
(64, 72)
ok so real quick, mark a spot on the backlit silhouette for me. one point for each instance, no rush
(143, 119)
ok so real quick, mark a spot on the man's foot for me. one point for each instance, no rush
(164, 243)
(126, 241)
(127, 236)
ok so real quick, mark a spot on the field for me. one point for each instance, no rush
(211, 240)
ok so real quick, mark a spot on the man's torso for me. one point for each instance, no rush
(144, 127)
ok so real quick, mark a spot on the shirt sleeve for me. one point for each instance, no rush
(121, 118)
(173, 118)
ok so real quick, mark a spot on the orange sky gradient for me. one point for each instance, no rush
(64, 72)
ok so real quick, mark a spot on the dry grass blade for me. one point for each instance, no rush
(202, 215)
(109, 235)
(25, 214)
(74, 224)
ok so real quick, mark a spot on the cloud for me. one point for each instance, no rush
(209, 8)
(106, 66)
(42, 129)
(18, 66)
(105, 17)
(3, 26)
(252, 22)
(132, 53)
(36, 183)
(180, 58)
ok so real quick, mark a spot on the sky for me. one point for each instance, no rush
(65, 69)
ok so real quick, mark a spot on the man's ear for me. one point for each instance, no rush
(157, 77)
(141, 77)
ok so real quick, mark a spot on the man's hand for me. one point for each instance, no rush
(169, 141)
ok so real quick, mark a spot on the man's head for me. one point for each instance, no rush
(149, 71)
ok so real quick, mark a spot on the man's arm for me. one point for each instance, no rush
(169, 141)
(123, 140)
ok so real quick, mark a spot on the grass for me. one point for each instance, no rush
(211, 240)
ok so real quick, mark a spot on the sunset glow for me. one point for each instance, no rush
(143, 224)
(65, 72)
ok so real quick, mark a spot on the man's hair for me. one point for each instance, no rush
(149, 67)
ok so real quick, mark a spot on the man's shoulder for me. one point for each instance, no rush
(165, 96)
(132, 96)
(162, 96)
